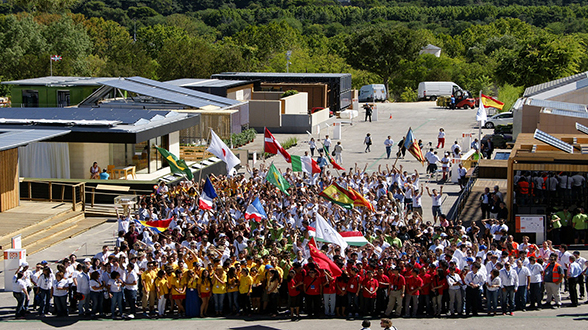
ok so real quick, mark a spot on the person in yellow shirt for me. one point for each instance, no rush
(149, 294)
(177, 284)
(256, 290)
(192, 300)
(204, 291)
(162, 289)
(233, 290)
(245, 286)
(219, 289)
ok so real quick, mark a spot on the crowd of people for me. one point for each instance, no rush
(214, 262)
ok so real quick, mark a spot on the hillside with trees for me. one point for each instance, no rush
(494, 46)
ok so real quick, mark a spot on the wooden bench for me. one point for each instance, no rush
(108, 187)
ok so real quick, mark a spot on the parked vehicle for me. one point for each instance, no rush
(463, 100)
(432, 90)
(372, 93)
(503, 118)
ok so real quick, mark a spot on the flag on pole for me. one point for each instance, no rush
(481, 115)
(322, 260)
(336, 194)
(359, 200)
(491, 102)
(331, 160)
(255, 211)
(158, 226)
(56, 58)
(218, 148)
(208, 194)
(176, 165)
(326, 233)
(275, 177)
(304, 164)
(272, 146)
(411, 144)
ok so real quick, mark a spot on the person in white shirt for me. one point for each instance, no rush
(461, 176)
(432, 160)
(115, 287)
(445, 166)
(436, 199)
(456, 150)
(60, 290)
(441, 139)
(20, 293)
(327, 143)
(45, 284)
(474, 281)
(524, 285)
(131, 286)
(510, 284)
(82, 281)
(103, 256)
(493, 284)
(545, 251)
(536, 280)
(389, 143)
(454, 281)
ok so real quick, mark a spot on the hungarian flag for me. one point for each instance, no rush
(411, 144)
(208, 194)
(272, 146)
(157, 225)
(335, 165)
(359, 200)
(491, 102)
(304, 164)
(176, 165)
(338, 195)
(255, 211)
(322, 260)
(354, 238)
(275, 177)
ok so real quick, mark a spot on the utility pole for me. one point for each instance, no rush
(288, 55)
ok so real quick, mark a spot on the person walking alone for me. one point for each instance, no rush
(327, 143)
(368, 143)
(312, 146)
(368, 112)
(441, 139)
(338, 150)
(389, 143)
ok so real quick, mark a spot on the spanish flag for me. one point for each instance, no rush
(491, 102)
(411, 144)
(359, 200)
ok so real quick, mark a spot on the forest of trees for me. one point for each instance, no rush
(497, 46)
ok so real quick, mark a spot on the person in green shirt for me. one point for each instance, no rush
(393, 240)
(556, 232)
(579, 224)
(566, 231)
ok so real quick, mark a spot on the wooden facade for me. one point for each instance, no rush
(9, 185)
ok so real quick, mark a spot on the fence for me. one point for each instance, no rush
(52, 191)
(455, 211)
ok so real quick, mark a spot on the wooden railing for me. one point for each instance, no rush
(38, 190)
(195, 153)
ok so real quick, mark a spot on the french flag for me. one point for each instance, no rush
(208, 193)
(255, 211)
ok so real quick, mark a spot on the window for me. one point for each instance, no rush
(30, 98)
(63, 99)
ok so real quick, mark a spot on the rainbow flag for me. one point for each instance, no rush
(157, 225)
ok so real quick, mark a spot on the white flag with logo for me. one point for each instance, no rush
(481, 116)
(327, 233)
(218, 148)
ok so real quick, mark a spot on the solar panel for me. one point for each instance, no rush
(569, 113)
(212, 99)
(553, 141)
(582, 128)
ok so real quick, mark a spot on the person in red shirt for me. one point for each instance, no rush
(425, 292)
(312, 289)
(369, 291)
(438, 286)
(294, 287)
(413, 286)
(341, 287)
(329, 292)
(353, 287)
(383, 285)
(395, 292)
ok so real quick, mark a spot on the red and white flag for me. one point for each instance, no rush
(355, 238)
(218, 148)
(55, 58)
(272, 146)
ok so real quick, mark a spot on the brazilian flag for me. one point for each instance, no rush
(176, 165)
(275, 177)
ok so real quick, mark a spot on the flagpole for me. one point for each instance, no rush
(51, 65)
(480, 126)
(203, 152)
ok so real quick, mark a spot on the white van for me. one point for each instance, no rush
(372, 93)
(431, 90)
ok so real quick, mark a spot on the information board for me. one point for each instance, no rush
(530, 223)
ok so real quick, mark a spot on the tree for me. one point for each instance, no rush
(381, 51)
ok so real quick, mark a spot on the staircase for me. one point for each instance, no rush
(52, 230)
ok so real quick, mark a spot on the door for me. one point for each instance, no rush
(63, 99)
(30, 98)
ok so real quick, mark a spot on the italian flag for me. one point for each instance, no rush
(304, 164)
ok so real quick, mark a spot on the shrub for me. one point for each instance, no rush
(409, 95)
(509, 95)
(289, 93)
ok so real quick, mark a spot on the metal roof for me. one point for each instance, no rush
(557, 105)
(537, 89)
(191, 82)
(58, 81)
(282, 74)
(13, 138)
(431, 47)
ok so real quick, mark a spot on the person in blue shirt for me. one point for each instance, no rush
(321, 162)
(104, 175)
(574, 273)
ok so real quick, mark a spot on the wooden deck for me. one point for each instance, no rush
(29, 213)
(472, 210)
